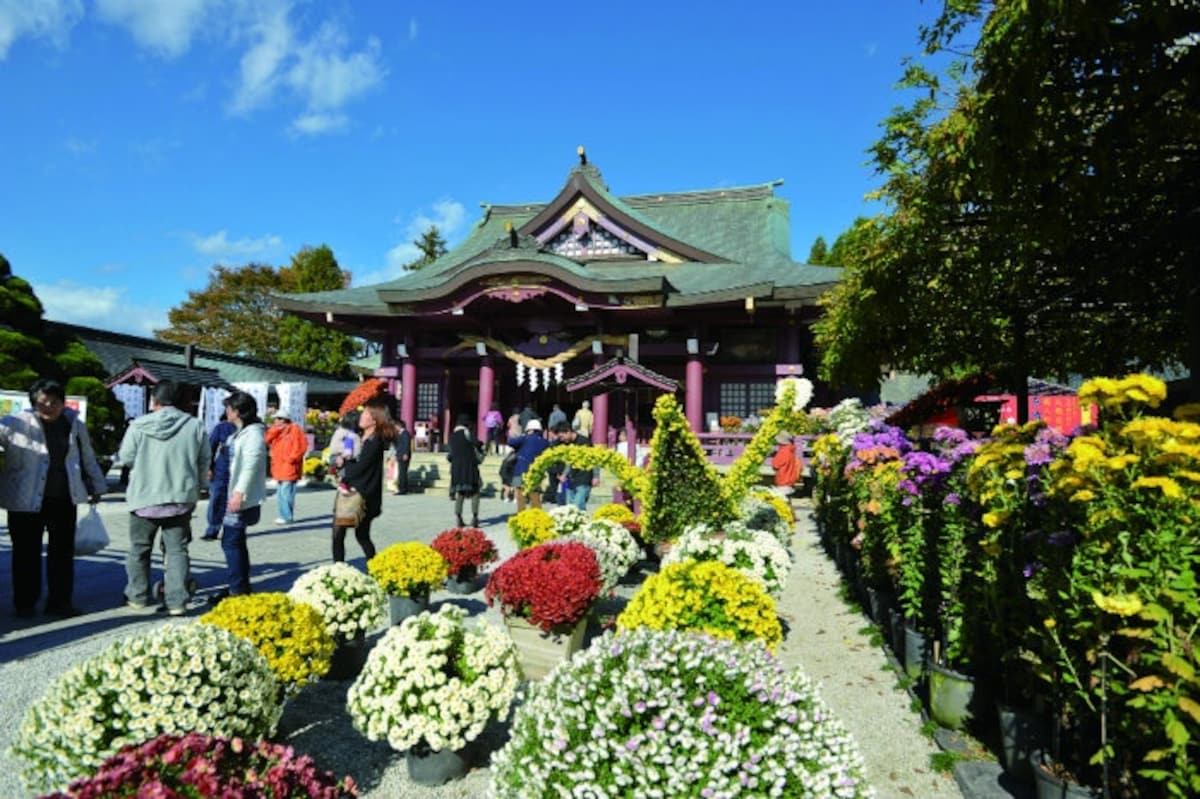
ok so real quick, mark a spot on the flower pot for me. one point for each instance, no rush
(916, 648)
(1021, 733)
(951, 696)
(427, 767)
(539, 652)
(896, 629)
(880, 601)
(465, 582)
(401, 607)
(1052, 787)
(348, 659)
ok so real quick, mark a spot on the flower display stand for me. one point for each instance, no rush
(465, 582)
(427, 767)
(348, 659)
(539, 652)
(401, 607)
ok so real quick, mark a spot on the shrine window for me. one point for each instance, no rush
(583, 239)
(428, 400)
(742, 399)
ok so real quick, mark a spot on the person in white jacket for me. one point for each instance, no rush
(47, 468)
(247, 488)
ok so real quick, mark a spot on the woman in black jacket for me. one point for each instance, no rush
(364, 474)
(464, 456)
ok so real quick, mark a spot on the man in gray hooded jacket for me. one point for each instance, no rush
(168, 454)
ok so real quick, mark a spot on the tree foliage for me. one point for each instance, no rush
(301, 342)
(1040, 193)
(236, 313)
(28, 351)
(432, 246)
(818, 254)
(233, 313)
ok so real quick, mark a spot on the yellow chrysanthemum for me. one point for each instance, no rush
(408, 568)
(994, 519)
(1118, 604)
(1083, 495)
(1169, 487)
(1188, 412)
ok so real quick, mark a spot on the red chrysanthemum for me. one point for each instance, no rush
(461, 547)
(551, 585)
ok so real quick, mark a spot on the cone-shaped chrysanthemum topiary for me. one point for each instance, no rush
(684, 487)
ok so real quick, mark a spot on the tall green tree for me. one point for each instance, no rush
(1040, 194)
(303, 343)
(234, 313)
(818, 254)
(28, 350)
(432, 246)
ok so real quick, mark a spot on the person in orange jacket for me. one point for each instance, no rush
(786, 464)
(288, 445)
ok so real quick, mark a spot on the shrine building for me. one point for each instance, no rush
(622, 296)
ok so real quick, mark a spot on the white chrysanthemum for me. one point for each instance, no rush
(754, 553)
(133, 691)
(352, 603)
(802, 387)
(434, 680)
(568, 519)
(758, 514)
(616, 549)
(646, 713)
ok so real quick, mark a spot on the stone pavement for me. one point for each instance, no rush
(824, 639)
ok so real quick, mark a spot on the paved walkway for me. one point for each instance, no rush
(823, 639)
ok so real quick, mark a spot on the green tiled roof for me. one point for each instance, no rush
(745, 228)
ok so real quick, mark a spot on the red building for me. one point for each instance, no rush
(698, 286)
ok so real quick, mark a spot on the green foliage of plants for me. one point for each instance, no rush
(684, 488)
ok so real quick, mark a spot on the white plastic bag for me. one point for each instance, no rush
(90, 535)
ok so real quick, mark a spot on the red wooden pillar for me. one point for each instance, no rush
(600, 414)
(408, 393)
(693, 401)
(487, 378)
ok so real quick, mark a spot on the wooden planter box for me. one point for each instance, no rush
(539, 652)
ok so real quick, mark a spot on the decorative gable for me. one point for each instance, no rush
(584, 233)
(585, 240)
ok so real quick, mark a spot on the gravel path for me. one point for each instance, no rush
(823, 639)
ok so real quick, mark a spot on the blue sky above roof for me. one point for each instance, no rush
(144, 143)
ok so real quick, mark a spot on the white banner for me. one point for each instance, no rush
(259, 392)
(293, 400)
(212, 406)
(133, 397)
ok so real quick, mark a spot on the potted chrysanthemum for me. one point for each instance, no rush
(352, 605)
(431, 686)
(616, 549)
(544, 594)
(707, 597)
(466, 550)
(407, 572)
(201, 765)
(755, 553)
(176, 679)
(290, 635)
(667, 713)
(531, 527)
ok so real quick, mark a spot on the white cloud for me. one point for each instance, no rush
(166, 27)
(870, 49)
(317, 123)
(48, 19)
(219, 246)
(321, 71)
(448, 215)
(78, 146)
(99, 306)
(412, 29)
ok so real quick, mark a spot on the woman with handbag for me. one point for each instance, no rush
(466, 453)
(363, 478)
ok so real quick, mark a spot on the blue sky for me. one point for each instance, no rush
(142, 142)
